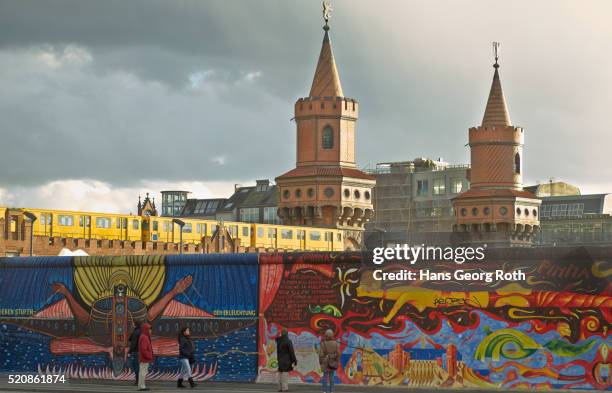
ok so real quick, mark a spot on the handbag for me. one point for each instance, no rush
(332, 362)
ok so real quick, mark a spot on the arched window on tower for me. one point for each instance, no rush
(328, 137)
(517, 163)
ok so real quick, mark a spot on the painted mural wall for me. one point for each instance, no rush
(548, 331)
(73, 315)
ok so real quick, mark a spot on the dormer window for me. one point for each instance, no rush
(328, 137)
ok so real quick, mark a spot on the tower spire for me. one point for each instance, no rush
(326, 81)
(496, 112)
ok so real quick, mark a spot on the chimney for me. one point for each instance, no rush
(262, 185)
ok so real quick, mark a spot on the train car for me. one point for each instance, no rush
(296, 238)
(86, 225)
(163, 229)
(242, 231)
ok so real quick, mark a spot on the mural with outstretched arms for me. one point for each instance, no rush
(550, 330)
(73, 315)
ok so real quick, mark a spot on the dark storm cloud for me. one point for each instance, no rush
(203, 90)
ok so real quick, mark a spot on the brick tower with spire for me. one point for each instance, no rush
(326, 189)
(496, 209)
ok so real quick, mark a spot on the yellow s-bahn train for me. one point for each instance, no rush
(88, 225)
(250, 234)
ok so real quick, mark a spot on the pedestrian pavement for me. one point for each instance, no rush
(99, 386)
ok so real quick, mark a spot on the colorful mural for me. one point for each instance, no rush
(73, 316)
(548, 331)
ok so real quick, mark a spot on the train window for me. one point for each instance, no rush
(213, 228)
(271, 233)
(166, 226)
(328, 237)
(339, 236)
(125, 221)
(245, 231)
(65, 221)
(135, 224)
(187, 228)
(301, 234)
(145, 225)
(119, 223)
(260, 232)
(234, 230)
(286, 233)
(155, 226)
(198, 228)
(103, 222)
(45, 219)
(315, 235)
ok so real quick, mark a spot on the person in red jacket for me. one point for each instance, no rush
(145, 354)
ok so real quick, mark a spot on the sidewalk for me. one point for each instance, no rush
(99, 386)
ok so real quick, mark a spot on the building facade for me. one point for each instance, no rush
(412, 199)
(496, 209)
(576, 219)
(255, 204)
(326, 189)
(173, 202)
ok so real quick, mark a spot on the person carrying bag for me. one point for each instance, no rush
(329, 355)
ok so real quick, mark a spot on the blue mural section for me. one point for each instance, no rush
(74, 315)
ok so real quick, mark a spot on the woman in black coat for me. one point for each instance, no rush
(285, 357)
(186, 357)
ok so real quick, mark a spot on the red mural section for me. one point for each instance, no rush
(549, 329)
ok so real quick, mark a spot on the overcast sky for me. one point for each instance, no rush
(103, 100)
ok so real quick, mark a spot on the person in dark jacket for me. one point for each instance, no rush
(134, 350)
(186, 357)
(145, 354)
(285, 357)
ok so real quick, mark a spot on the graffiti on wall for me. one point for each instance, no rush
(74, 315)
(549, 331)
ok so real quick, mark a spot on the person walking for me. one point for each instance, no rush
(133, 352)
(145, 354)
(329, 353)
(285, 357)
(186, 357)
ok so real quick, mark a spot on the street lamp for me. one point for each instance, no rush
(181, 224)
(32, 218)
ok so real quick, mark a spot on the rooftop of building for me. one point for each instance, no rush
(262, 194)
(569, 198)
(553, 189)
(419, 164)
(202, 207)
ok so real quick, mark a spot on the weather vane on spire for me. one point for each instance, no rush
(496, 46)
(327, 10)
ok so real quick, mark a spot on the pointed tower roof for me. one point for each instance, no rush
(326, 82)
(496, 112)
